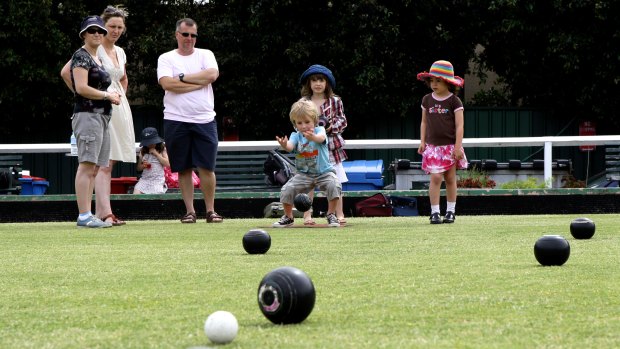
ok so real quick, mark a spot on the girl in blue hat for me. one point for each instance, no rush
(317, 85)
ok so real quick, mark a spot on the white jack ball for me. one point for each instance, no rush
(221, 327)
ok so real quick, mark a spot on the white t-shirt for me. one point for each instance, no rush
(195, 106)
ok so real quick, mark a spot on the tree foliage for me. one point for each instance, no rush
(555, 54)
(374, 48)
(32, 43)
(561, 55)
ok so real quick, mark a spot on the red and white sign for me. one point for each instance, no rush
(587, 128)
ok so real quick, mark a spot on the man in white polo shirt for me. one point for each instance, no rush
(190, 129)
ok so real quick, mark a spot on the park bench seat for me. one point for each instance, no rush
(243, 171)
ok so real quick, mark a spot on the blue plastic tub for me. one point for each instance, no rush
(363, 175)
(33, 187)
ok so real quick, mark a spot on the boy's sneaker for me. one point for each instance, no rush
(284, 222)
(449, 218)
(332, 220)
(93, 222)
(435, 219)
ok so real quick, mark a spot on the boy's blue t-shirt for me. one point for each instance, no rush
(311, 158)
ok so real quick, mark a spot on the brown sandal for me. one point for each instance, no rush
(115, 220)
(189, 218)
(213, 217)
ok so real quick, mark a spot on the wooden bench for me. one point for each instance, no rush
(10, 167)
(243, 171)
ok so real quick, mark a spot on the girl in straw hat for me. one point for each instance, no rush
(441, 136)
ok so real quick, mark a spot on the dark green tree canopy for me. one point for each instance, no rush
(560, 55)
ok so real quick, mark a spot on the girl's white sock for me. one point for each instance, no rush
(451, 206)
(434, 209)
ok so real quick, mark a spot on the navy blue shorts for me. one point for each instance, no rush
(191, 145)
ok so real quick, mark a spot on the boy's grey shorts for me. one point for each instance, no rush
(93, 137)
(301, 183)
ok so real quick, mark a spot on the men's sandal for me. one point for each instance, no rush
(189, 218)
(213, 217)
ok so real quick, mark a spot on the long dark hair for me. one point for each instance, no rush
(306, 90)
(159, 147)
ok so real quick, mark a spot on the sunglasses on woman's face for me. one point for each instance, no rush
(188, 34)
(93, 30)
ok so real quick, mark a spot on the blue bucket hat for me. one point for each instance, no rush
(92, 21)
(318, 69)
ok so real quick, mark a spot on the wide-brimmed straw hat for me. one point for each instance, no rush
(150, 136)
(92, 21)
(318, 69)
(443, 70)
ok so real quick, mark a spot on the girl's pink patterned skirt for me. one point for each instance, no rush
(438, 159)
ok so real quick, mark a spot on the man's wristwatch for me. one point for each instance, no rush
(181, 76)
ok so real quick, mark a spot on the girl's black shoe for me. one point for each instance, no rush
(435, 219)
(449, 218)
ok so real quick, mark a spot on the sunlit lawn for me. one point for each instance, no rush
(380, 283)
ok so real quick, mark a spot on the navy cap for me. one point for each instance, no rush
(92, 21)
(150, 136)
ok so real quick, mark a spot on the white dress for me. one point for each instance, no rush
(122, 136)
(153, 180)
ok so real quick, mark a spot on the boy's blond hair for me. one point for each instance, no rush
(304, 108)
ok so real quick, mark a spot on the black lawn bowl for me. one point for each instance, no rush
(582, 228)
(256, 241)
(302, 202)
(551, 250)
(286, 296)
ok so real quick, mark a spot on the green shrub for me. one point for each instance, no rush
(529, 183)
(569, 181)
(474, 178)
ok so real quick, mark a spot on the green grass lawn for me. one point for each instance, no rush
(380, 283)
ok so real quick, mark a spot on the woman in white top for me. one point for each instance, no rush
(122, 136)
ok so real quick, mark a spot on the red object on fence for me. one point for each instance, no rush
(587, 128)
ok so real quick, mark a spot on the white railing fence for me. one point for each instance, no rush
(547, 142)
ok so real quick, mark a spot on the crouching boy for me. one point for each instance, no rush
(309, 144)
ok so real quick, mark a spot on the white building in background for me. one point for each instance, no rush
(473, 84)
